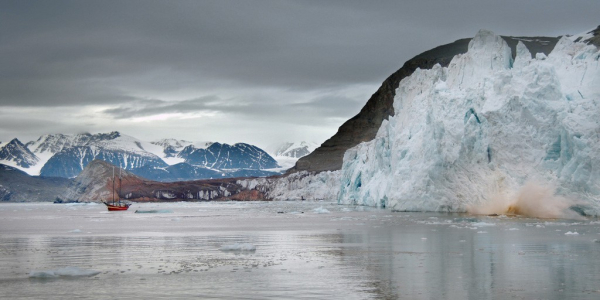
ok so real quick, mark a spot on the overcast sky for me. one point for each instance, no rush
(259, 72)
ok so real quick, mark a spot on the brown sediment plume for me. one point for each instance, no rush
(532, 200)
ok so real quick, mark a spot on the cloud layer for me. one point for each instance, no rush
(257, 67)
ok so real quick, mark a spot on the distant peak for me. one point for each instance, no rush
(16, 141)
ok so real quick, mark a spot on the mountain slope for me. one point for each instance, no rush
(18, 186)
(17, 154)
(224, 156)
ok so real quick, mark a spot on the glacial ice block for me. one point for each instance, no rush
(481, 128)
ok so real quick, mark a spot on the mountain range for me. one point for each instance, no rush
(60, 155)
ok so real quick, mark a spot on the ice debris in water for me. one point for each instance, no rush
(482, 224)
(321, 210)
(63, 272)
(571, 233)
(239, 247)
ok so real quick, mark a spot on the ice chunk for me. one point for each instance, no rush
(243, 247)
(321, 210)
(540, 56)
(63, 272)
(571, 233)
(75, 231)
(482, 224)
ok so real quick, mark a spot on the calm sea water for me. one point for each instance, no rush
(304, 250)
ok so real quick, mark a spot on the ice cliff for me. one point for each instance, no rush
(301, 185)
(482, 128)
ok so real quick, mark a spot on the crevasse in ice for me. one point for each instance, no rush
(482, 128)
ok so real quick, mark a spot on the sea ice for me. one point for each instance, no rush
(571, 233)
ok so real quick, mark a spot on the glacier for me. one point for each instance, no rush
(301, 185)
(484, 127)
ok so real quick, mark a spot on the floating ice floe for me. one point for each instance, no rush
(63, 272)
(571, 233)
(321, 210)
(242, 247)
(75, 231)
(482, 224)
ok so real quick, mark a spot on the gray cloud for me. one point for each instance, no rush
(261, 58)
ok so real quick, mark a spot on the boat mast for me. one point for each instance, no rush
(113, 186)
(120, 183)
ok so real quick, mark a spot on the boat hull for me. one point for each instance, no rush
(117, 207)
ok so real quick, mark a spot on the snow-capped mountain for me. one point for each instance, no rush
(14, 153)
(171, 147)
(294, 150)
(483, 127)
(168, 159)
(79, 150)
(287, 154)
(224, 156)
(71, 161)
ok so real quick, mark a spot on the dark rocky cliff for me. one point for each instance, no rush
(364, 126)
(95, 183)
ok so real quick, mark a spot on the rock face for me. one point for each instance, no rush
(18, 186)
(364, 126)
(14, 152)
(482, 128)
(95, 184)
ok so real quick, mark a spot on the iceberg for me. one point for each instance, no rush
(484, 127)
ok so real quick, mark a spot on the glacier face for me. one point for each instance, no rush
(482, 128)
(301, 185)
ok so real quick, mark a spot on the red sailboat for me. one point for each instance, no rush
(116, 206)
